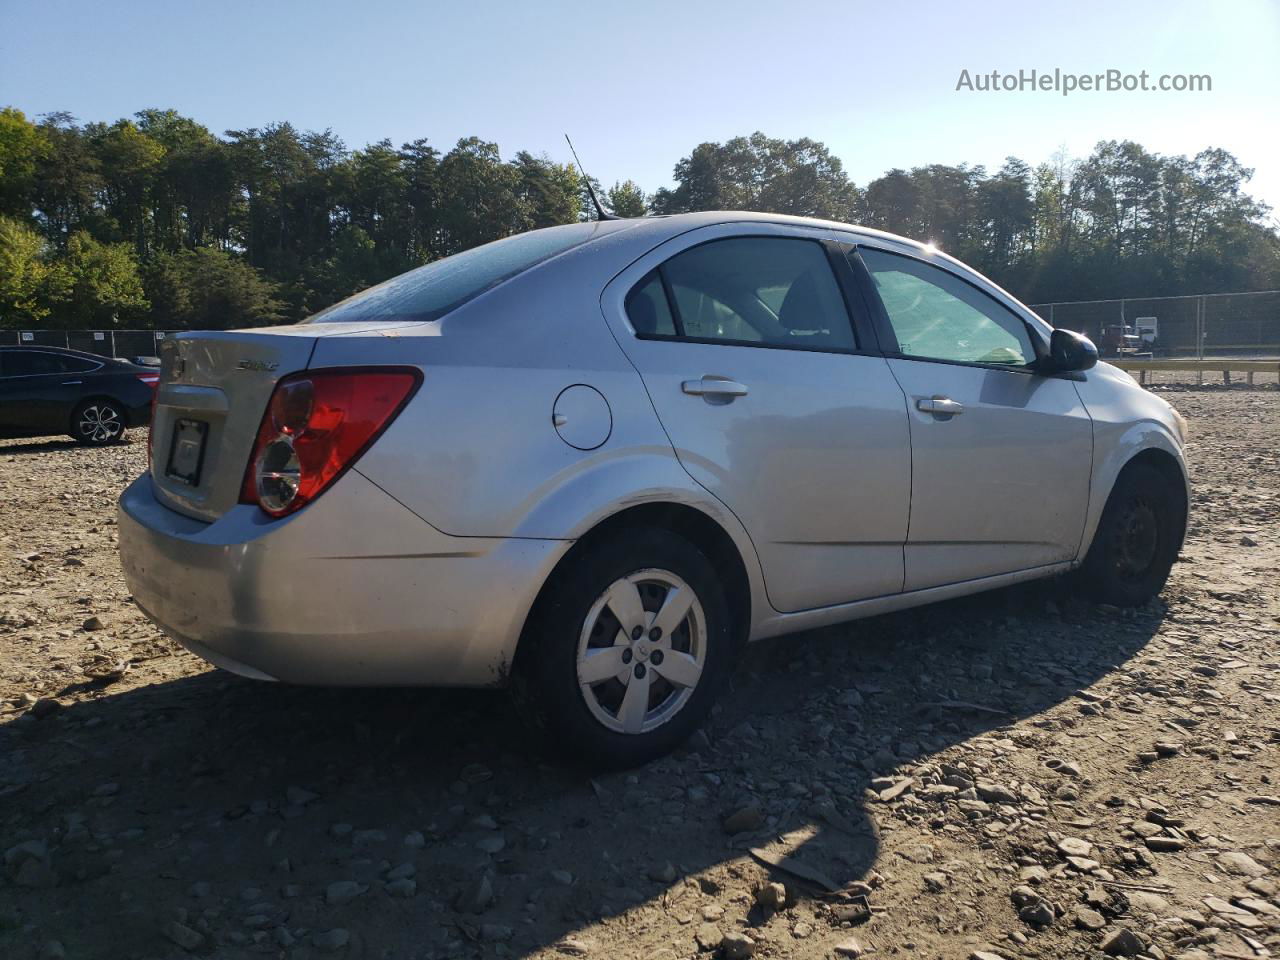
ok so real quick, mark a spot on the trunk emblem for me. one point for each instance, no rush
(264, 365)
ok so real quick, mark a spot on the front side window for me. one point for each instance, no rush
(27, 363)
(771, 291)
(937, 316)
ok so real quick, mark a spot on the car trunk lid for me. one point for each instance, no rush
(214, 387)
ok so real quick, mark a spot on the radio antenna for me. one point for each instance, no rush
(595, 201)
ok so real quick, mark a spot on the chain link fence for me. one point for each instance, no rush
(1215, 324)
(125, 344)
(1207, 325)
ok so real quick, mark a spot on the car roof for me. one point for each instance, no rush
(678, 223)
(653, 230)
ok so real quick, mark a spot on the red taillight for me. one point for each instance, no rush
(152, 380)
(317, 425)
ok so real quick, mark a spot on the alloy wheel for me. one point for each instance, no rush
(100, 422)
(642, 651)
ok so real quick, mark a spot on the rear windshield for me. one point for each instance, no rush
(431, 291)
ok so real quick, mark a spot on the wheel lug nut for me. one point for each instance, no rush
(639, 670)
(635, 632)
(656, 657)
(626, 655)
(655, 634)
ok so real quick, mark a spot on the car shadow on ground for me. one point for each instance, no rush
(232, 806)
(54, 445)
(50, 445)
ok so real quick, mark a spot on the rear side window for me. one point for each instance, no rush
(648, 310)
(429, 292)
(768, 291)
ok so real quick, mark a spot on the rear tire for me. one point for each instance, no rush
(1137, 541)
(596, 679)
(98, 423)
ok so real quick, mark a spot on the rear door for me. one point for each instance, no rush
(1001, 456)
(775, 402)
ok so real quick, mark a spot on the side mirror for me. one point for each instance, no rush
(1069, 352)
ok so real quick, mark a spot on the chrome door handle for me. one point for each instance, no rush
(939, 406)
(71, 383)
(714, 387)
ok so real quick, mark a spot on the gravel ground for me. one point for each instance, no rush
(1013, 775)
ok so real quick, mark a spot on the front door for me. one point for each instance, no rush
(32, 395)
(1001, 456)
(746, 347)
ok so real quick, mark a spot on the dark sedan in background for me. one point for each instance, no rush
(46, 391)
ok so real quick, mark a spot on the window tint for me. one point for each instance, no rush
(79, 364)
(429, 292)
(647, 308)
(25, 363)
(938, 316)
(770, 290)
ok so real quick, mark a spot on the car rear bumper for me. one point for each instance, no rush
(353, 590)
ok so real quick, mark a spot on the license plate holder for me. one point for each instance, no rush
(186, 452)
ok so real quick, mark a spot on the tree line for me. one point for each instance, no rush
(156, 221)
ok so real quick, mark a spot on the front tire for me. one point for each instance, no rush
(98, 423)
(1137, 540)
(627, 650)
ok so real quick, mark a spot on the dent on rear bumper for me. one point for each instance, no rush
(352, 590)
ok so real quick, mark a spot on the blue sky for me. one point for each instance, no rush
(637, 85)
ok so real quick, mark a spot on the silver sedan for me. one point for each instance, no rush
(592, 461)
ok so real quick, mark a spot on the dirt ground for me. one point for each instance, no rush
(1019, 774)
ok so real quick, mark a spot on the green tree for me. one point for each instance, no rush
(421, 164)
(1054, 203)
(373, 192)
(1120, 196)
(760, 173)
(68, 184)
(210, 290)
(194, 192)
(29, 282)
(103, 285)
(22, 147)
(627, 200)
(546, 192)
(299, 221)
(354, 265)
(893, 202)
(129, 163)
(1005, 213)
(478, 196)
